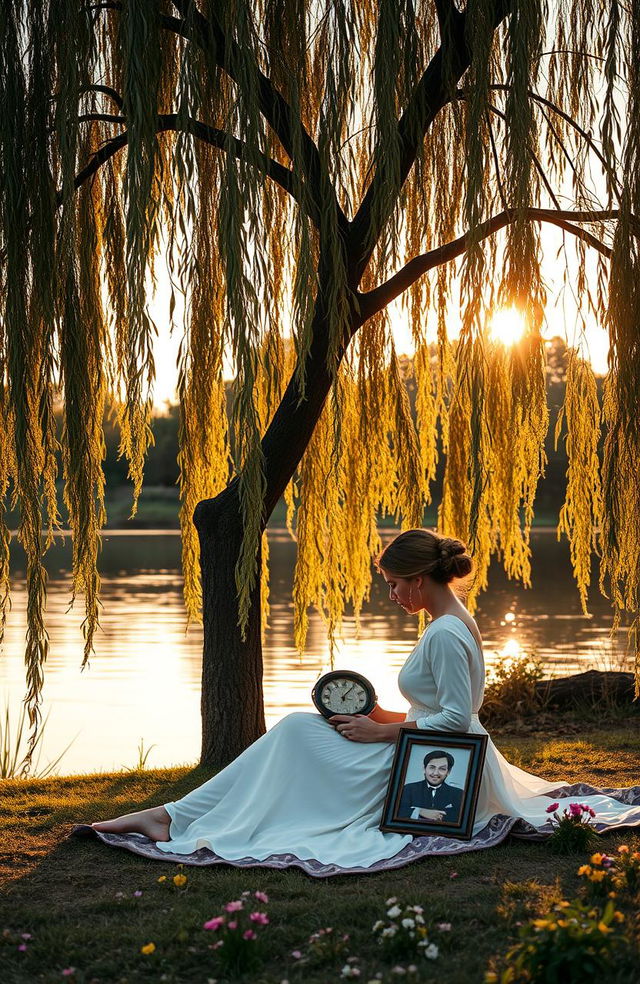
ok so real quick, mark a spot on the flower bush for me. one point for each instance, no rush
(573, 830)
(606, 876)
(323, 946)
(573, 942)
(404, 933)
(237, 932)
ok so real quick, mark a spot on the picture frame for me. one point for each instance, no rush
(434, 783)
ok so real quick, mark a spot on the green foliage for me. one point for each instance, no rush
(573, 831)
(573, 942)
(15, 760)
(512, 692)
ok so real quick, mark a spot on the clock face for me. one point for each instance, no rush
(343, 695)
(343, 692)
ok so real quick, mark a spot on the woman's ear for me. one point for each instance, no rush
(419, 580)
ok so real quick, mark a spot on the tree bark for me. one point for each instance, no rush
(231, 701)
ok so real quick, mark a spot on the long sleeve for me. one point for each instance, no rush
(449, 662)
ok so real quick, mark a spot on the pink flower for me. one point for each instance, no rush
(454, 874)
(233, 925)
(25, 936)
(137, 894)
(575, 809)
(552, 808)
(249, 934)
(591, 811)
(68, 971)
(259, 917)
(234, 906)
(261, 897)
(22, 947)
(214, 946)
(296, 954)
(214, 923)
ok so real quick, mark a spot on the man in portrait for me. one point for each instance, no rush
(433, 798)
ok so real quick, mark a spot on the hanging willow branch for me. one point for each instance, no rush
(293, 155)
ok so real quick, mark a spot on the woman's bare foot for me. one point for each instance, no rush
(154, 823)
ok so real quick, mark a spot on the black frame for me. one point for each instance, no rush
(351, 675)
(448, 741)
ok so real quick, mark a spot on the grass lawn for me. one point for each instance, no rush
(76, 898)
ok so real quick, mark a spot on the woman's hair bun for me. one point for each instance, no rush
(421, 551)
(454, 559)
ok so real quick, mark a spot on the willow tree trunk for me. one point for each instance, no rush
(232, 700)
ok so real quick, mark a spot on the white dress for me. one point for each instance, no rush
(303, 795)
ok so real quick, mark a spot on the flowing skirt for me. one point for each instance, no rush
(303, 795)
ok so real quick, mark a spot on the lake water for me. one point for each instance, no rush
(143, 683)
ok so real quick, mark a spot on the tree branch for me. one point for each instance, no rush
(430, 94)
(375, 300)
(208, 134)
(273, 106)
(502, 87)
(448, 15)
(107, 91)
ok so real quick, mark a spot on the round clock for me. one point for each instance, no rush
(343, 692)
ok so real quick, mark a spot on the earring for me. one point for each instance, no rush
(410, 597)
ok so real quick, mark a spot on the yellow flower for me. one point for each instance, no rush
(563, 905)
(584, 869)
(597, 876)
(162, 878)
(623, 849)
(618, 916)
(179, 880)
(596, 859)
(562, 923)
(490, 977)
(611, 895)
(541, 923)
(148, 948)
(602, 926)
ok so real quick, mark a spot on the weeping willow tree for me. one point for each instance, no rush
(298, 165)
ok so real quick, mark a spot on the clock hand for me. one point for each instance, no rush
(348, 691)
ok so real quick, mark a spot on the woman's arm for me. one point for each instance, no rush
(381, 716)
(359, 727)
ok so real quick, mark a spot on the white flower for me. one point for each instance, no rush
(431, 952)
(408, 923)
(389, 931)
(420, 920)
(349, 971)
(444, 927)
(398, 970)
(394, 911)
(377, 925)
(418, 908)
(391, 900)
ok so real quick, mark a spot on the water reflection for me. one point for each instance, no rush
(144, 680)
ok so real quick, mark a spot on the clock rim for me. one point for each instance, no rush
(350, 674)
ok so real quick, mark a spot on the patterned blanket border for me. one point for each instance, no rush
(496, 831)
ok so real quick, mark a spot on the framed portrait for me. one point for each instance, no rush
(434, 783)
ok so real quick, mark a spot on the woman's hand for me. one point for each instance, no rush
(357, 727)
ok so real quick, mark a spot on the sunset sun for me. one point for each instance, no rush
(507, 326)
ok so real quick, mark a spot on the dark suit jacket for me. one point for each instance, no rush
(447, 798)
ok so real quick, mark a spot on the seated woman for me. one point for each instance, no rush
(310, 792)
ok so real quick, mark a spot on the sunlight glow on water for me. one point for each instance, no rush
(144, 680)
